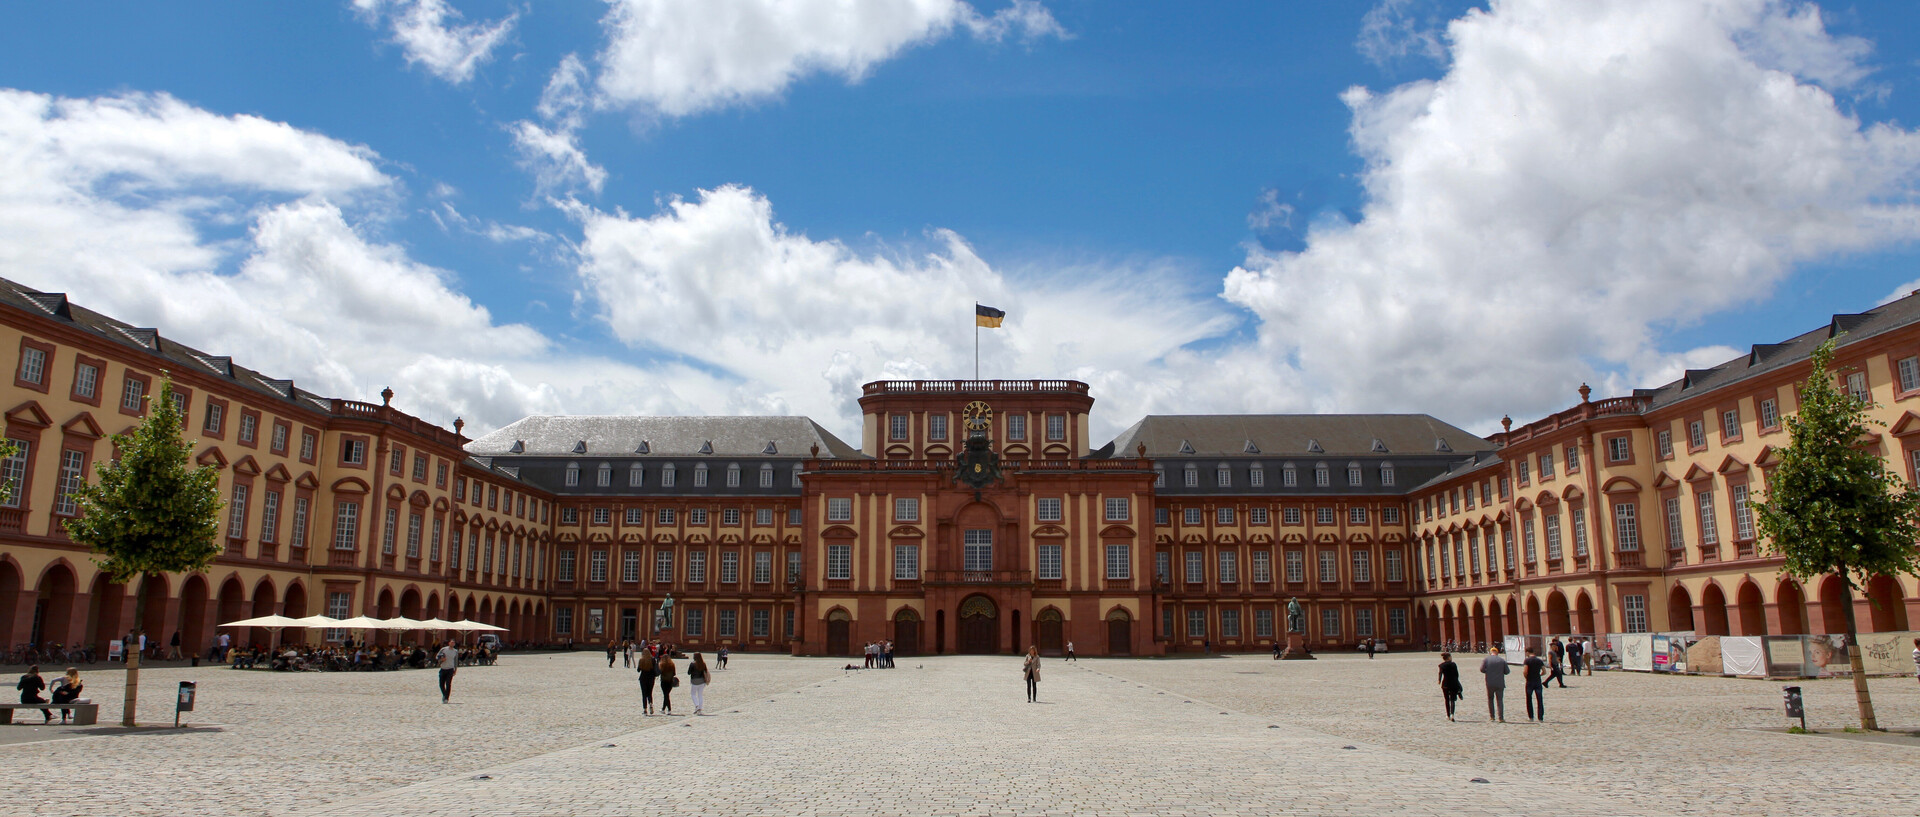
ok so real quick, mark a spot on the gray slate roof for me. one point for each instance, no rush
(614, 436)
(1291, 435)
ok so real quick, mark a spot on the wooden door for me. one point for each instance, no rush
(906, 636)
(1119, 636)
(1049, 637)
(839, 641)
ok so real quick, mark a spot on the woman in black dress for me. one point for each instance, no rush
(1449, 682)
(649, 670)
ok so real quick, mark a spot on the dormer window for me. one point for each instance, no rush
(766, 475)
(1353, 474)
(1313, 446)
(1289, 476)
(667, 475)
(1186, 447)
(700, 475)
(1378, 447)
(1321, 476)
(1159, 476)
(580, 447)
(1223, 475)
(771, 449)
(733, 475)
(644, 448)
(1441, 445)
(706, 447)
(796, 478)
(1192, 476)
(605, 477)
(636, 476)
(573, 474)
(1250, 448)
(1386, 473)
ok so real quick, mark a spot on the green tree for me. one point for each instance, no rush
(149, 512)
(1834, 507)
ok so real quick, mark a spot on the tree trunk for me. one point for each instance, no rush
(1854, 661)
(132, 652)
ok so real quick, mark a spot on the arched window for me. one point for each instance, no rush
(606, 474)
(636, 476)
(666, 475)
(733, 475)
(766, 475)
(1192, 474)
(700, 475)
(1386, 473)
(573, 474)
(1321, 476)
(1223, 475)
(1289, 476)
(1353, 473)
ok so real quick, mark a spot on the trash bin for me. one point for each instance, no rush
(184, 703)
(1796, 707)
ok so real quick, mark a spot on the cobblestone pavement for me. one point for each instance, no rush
(953, 735)
(1672, 745)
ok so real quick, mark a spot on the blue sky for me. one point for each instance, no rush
(1100, 170)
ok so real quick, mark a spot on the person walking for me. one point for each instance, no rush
(722, 655)
(1535, 674)
(1370, 646)
(30, 686)
(1555, 653)
(626, 654)
(1495, 669)
(66, 690)
(697, 682)
(611, 649)
(1576, 650)
(1450, 689)
(1916, 658)
(173, 647)
(669, 678)
(1031, 670)
(1070, 655)
(649, 670)
(449, 658)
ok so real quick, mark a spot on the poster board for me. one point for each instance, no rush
(1635, 651)
(1661, 655)
(1742, 655)
(116, 650)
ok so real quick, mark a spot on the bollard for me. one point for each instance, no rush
(1796, 707)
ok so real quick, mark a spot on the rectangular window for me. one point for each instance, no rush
(897, 427)
(1363, 623)
(766, 476)
(131, 392)
(793, 566)
(1386, 475)
(1356, 516)
(237, 513)
(730, 567)
(390, 531)
(1223, 477)
(1323, 516)
(840, 510)
(1697, 434)
(1619, 450)
(1257, 477)
(1665, 441)
(1676, 532)
(415, 526)
(1296, 566)
(1909, 368)
(1626, 526)
(665, 516)
(420, 467)
(663, 566)
(1290, 516)
(1329, 566)
(1163, 566)
(353, 452)
(1857, 387)
(1362, 566)
(269, 516)
(762, 623)
(697, 566)
(248, 425)
(1118, 508)
(86, 381)
(1229, 568)
(1196, 623)
(597, 566)
(1390, 515)
(307, 443)
(636, 516)
(977, 549)
(1526, 472)
(696, 516)
(936, 426)
(1770, 413)
(1330, 622)
(700, 475)
(1321, 476)
(1729, 424)
(298, 536)
(563, 621)
(1709, 527)
(793, 516)
(1396, 570)
(602, 516)
(839, 561)
(339, 605)
(906, 510)
(569, 516)
(762, 567)
(1223, 516)
(1190, 516)
(1229, 623)
(1573, 459)
(1017, 427)
(733, 476)
(630, 566)
(763, 517)
(696, 624)
(394, 462)
(1397, 622)
(667, 474)
(1263, 624)
(1056, 426)
(1553, 538)
(1049, 562)
(787, 622)
(1196, 567)
(1262, 567)
(1546, 465)
(729, 623)
(1742, 513)
(1635, 607)
(1256, 516)
(1579, 532)
(434, 555)
(346, 519)
(1353, 475)
(1289, 477)
(730, 517)
(1048, 509)
(1527, 541)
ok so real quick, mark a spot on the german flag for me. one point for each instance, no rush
(987, 316)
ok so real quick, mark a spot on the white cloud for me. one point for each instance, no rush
(427, 31)
(1585, 175)
(554, 157)
(719, 281)
(680, 58)
(1394, 30)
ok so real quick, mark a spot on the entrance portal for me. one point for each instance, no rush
(906, 632)
(1047, 633)
(979, 633)
(839, 633)
(1119, 633)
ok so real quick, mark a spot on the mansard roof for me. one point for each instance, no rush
(1296, 436)
(668, 437)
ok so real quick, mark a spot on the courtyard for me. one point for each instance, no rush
(561, 733)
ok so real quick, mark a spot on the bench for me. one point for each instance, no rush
(85, 711)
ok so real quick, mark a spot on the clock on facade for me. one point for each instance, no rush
(977, 416)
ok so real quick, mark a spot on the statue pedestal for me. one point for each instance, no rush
(1296, 649)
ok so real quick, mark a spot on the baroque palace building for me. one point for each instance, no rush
(972, 517)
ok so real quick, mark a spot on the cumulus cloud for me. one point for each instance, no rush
(429, 33)
(1583, 177)
(682, 58)
(1395, 30)
(719, 281)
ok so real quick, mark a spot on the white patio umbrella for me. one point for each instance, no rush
(438, 623)
(264, 621)
(403, 623)
(315, 622)
(360, 623)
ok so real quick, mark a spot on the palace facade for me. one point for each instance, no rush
(972, 516)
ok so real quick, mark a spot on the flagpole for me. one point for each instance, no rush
(976, 345)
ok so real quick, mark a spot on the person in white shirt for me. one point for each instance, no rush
(449, 657)
(1070, 655)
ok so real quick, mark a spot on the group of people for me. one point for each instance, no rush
(655, 662)
(1537, 671)
(351, 657)
(879, 655)
(66, 689)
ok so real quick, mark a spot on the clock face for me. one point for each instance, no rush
(977, 416)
